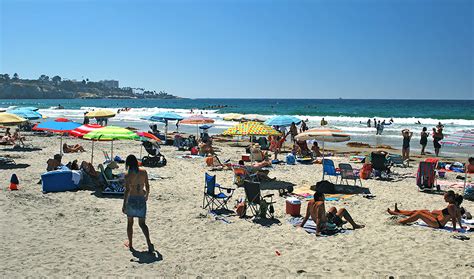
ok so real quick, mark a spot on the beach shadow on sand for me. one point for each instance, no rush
(145, 257)
(276, 185)
(14, 166)
(22, 149)
(265, 222)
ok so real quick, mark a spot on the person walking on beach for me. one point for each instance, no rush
(437, 136)
(293, 131)
(137, 190)
(368, 123)
(406, 143)
(424, 140)
(303, 127)
(377, 128)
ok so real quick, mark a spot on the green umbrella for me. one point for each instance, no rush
(111, 133)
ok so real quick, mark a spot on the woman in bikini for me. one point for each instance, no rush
(137, 190)
(435, 218)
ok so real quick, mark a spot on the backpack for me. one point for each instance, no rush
(241, 208)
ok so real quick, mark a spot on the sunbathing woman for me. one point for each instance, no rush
(434, 219)
(73, 148)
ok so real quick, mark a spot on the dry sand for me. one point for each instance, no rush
(80, 234)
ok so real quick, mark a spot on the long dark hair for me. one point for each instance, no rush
(131, 163)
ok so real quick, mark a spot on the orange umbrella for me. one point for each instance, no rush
(197, 120)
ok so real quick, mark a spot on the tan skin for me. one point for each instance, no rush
(317, 211)
(432, 218)
(136, 184)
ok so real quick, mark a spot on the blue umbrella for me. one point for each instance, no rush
(57, 127)
(204, 127)
(282, 120)
(26, 113)
(164, 116)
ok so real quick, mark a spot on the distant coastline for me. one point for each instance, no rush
(59, 88)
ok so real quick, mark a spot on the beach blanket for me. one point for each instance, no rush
(450, 184)
(307, 194)
(449, 227)
(357, 159)
(310, 226)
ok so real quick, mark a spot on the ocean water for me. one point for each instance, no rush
(348, 115)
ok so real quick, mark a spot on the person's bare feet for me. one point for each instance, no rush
(151, 248)
(358, 227)
(396, 208)
(128, 245)
(391, 212)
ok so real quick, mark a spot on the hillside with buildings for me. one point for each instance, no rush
(58, 88)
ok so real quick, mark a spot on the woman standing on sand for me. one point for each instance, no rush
(406, 143)
(136, 195)
(437, 136)
(424, 140)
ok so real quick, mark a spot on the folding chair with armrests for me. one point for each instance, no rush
(212, 199)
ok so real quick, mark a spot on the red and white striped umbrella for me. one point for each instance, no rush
(459, 138)
(80, 131)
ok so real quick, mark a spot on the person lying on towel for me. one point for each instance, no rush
(72, 148)
(325, 220)
(436, 218)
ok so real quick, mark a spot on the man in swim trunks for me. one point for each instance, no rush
(136, 195)
(317, 211)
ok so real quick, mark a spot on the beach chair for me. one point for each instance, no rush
(330, 170)
(112, 186)
(398, 161)
(241, 174)
(426, 177)
(212, 199)
(260, 206)
(107, 157)
(347, 173)
(380, 163)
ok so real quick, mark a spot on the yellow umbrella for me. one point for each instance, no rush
(251, 128)
(10, 119)
(232, 117)
(103, 113)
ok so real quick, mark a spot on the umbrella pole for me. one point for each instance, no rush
(197, 131)
(61, 145)
(92, 154)
(322, 163)
(141, 147)
(112, 151)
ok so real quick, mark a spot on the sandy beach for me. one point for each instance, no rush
(79, 234)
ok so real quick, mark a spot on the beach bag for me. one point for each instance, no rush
(365, 171)
(194, 151)
(469, 192)
(241, 208)
(290, 159)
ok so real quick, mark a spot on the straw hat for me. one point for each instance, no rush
(113, 165)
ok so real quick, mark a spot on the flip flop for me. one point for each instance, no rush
(461, 237)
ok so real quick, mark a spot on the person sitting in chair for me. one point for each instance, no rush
(55, 163)
(323, 220)
(108, 171)
(315, 150)
(73, 148)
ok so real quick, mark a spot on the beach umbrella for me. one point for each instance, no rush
(102, 113)
(253, 117)
(111, 133)
(282, 120)
(26, 113)
(9, 119)
(30, 108)
(197, 120)
(459, 138)
(233, 117)
(164, 116)
(205, 127)
(145, 136)
(60, 127)
(251, 128)
(80, 131)
(324, 135)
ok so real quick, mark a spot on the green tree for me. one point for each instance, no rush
(43, 78)
(15, 76)
(5, 77)
(56, 80)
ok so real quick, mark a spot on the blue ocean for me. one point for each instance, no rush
(346, 114)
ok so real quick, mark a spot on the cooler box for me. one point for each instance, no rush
(246, 157)
(58, 181)
(293, 206)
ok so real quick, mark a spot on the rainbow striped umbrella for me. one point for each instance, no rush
(251, 128)
(460, 138)
(197, 120)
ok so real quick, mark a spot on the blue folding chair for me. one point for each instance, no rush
(329, 169)
(212, 199)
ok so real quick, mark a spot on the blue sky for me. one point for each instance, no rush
(262, 49)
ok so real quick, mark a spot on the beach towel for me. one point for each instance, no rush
(450, 184)
(189, 157)
(307, 194)
(310, 226)
(449, 226)
(357, 159)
